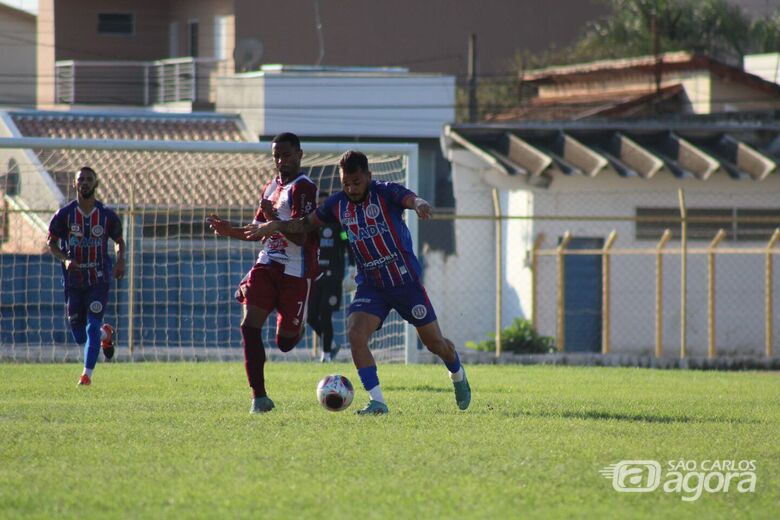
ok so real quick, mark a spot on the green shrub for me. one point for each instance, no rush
(520, 338)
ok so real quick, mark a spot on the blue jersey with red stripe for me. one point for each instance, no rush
(380, 240)
(84, 238)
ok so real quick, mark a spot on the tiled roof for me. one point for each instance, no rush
(668, 62)
(626, 103)
(155, 178)
(685, 149)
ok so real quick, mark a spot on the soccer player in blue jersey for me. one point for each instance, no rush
(388, 271)
(78, 237)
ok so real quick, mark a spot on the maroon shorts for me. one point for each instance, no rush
(266, 286)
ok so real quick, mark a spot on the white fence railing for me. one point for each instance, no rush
(137, 82)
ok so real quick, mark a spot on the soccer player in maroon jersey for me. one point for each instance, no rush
(281, 277)
(388, 271)
(78, 237)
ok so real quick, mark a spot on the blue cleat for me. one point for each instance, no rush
(374, 408)
(262, 405)
(462, 393)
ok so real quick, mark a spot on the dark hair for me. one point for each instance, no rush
(353, 162)
(288, 137)
(87, 169)
(324, 194)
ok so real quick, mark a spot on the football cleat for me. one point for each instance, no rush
(374, 408)
(107, 340)
(262, 405)
(325, 358)
(84, 380)
(462, 393)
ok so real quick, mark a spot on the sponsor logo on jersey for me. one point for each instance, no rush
(97, 231)
(95, 307)
(419, 311)
(379, 262)
(372, 211)
(367, 232)
(327, 232)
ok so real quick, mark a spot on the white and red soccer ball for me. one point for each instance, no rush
(335, 392)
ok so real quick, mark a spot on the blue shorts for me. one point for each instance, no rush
(410, 301)
(86, 300)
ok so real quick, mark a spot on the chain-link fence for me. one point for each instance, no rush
(597, 283)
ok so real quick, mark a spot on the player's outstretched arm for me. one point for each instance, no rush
(419, 205)
(224, 228)
(266, 229)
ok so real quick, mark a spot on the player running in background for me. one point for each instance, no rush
(326, 293)
(388, 271)
(78, 237)
(281, 277)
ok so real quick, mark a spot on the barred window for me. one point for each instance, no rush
(740, 224)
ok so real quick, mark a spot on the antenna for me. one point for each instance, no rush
(247, 54)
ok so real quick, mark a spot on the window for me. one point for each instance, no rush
(116, 23)
(740, 224)
(192, 38)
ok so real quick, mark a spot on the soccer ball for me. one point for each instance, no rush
(335, 392)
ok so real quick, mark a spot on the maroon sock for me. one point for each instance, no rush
(254, 359)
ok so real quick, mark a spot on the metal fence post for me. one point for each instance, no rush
(711, 291)
(769, 293)
(605, 292)
(683, 274)
(561, 296)
(131, 275)
(659, 293)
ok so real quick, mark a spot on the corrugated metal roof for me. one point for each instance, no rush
(635, 149)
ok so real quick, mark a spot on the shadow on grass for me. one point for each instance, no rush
(443, 389)
(602, 415)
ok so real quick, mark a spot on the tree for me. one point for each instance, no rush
(716, 28)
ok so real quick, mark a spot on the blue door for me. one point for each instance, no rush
(582, 301)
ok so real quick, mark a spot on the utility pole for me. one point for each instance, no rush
(472, 78)
(656, 51)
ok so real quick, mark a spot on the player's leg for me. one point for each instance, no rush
(291, 311)
(257, 294)
(360, 326)
(313, 314)
(366, 313)
(76, 310)
(413, 305)
(96, 298)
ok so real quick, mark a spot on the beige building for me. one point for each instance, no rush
(88, 38)
(677, 83)
(17, 44)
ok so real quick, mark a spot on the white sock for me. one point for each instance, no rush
(88, 371)
(376, 394)
(457, 377)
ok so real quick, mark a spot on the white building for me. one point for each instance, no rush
(594, 172)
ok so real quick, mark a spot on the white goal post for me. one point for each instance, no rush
(176, 301)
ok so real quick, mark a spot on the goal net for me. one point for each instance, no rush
(177, 298)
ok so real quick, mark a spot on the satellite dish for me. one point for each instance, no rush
(247, 54)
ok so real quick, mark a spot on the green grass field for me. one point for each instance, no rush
(155, 440)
